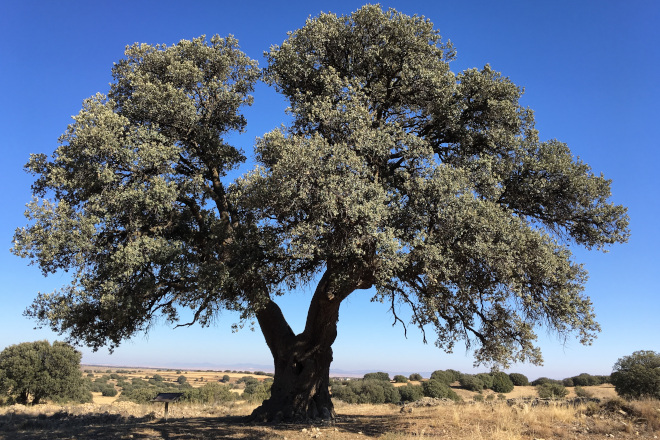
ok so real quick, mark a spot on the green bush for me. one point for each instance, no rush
(545, 380)
(377, 376)
(109, 391)
(501, 383)
(550, 390)
(486, 379)
(256, 392)
(478, 398)
(225, 378)
(581, 392)
(585, 380)
(214, 393)
(519, 380)
(415, 377)
(568, 382)
(247, 380)
(443, 376)
(366, 391)
(470, 382)
(182, 379)
(400, 378)
(638, 375)
(438, 389)
(411, 393)
(454, 374)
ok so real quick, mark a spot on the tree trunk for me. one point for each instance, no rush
(302, 362)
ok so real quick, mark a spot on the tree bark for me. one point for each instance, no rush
(300, 390)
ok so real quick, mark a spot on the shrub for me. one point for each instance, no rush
(478, 398)
(439, 390)
(470, 382)
(247, 380)
(486, 379)
(216, 393)
(585, 380)
(490, 397)
(638, 375)
(501, 383)
(568, 382)
(519, 380)
(551, 390)
(366, 391)
(415, 377)
(545, 380)
(443, 376)
(581, 392)
(158, 378)
(411, 393)
(400, 378)
(109, 391)
(377, 376)
(226, 378)
(181, 379)
(455, 375)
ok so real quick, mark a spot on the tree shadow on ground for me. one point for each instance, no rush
(64, 425)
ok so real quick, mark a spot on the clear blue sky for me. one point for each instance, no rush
(590, 70)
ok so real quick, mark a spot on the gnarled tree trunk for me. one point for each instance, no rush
(302, 362)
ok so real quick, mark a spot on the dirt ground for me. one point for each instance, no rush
(465, 421)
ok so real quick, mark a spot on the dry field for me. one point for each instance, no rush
(466, 421)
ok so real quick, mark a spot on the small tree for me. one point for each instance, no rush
(411, 393)
(470, 382)
(519, 380)
(438, 389)
(377, 376)
(415, 377)
(637, 375)
(182, 379)
(501, 383)
(399, 378)
(37, 370)
(443, 376)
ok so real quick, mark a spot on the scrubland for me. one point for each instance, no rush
(516, 418)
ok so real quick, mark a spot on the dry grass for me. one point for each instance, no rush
(468, 421)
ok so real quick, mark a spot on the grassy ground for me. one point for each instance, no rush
(473, 421)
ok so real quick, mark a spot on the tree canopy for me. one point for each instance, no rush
(638, 375)
(33, 371)
(396, 174)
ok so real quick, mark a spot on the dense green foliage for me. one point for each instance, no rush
(445, 376)
(365, 391)
(33, 371)
(439, 390)
(395, 174)
(551, 390)
(519, 380)
(501, 383)
(637, 375)
(410, 393)
(399, 378)
(545, 380)
(377, 376)
(471, 382)
(415, 377)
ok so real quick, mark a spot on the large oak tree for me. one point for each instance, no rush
(431, 188)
